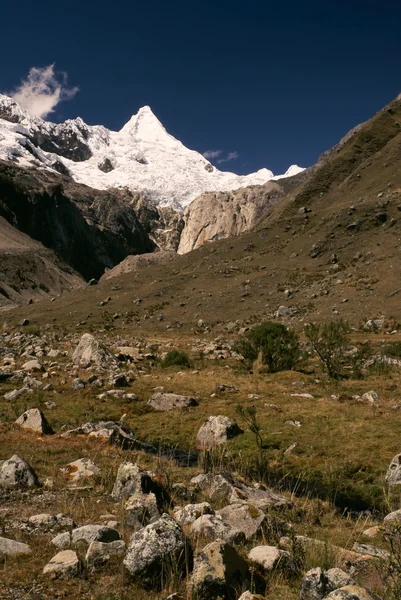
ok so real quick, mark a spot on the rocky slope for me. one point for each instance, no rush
(142, 156)
(29, 271)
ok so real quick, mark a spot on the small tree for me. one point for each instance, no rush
(276, 346)
(331, 344)
(248, 414)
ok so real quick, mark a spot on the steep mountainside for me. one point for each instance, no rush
(29, 271)
(90, 230)
(142, 156)
(329, 247)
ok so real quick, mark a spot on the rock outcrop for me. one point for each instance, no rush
(215, 216)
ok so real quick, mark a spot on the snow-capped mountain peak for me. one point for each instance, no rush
(142, 156)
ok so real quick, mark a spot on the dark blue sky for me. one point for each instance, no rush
(278, 82)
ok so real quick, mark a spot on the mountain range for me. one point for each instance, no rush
(75, 232)
(142, 156)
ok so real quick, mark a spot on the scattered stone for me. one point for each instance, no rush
(32, 365)
(14, 394)
(249, 596)
(268, 557)
(213, 527)
(132, 480)
(351, 592)
(165, 402)
(77, 384)
(191, 512)
(87, 534)
(47, 522)
(316, 584)
(222, 387)
(393, 475)
(243, 517)
(291, 448)
(118, 380)
(65, 563)
(219, 572)
(13, 548)
(370, 550)
(101, 552)
(35, 420)
(140, 510)
(16, 472)
(293, 423)
(393, 517)
(90, 350)
(216, 431)
(226, 488)
(82, 468)
(158, 544)
(372, 532)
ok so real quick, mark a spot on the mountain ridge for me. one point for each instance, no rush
(142, 156)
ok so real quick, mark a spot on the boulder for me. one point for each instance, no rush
(117, 433)
(65, 563)
(393, 475)
(32, 365)
(156, 546)
(164, 402)
(101, 552)
(13, 548)
(243, 517)
(351, 592)
(132, 480)
(316, 583)
(14, 394)
(216, 431)
(189, 513)
(219, 571)
(225, 488)
(35, 420)
(47, 522)
(87, 534)
(140, 510)
(268, 557)
(393, 518)
(16, 472)
(90, 350)
(213, 527)
(83, 468)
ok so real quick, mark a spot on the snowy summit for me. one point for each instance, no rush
(142, 156)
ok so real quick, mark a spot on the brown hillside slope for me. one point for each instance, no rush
(28, 270)
(341, 258)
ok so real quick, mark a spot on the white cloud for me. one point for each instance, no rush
(230, 156)
(42, 90)
(211, 154)
(218, 155)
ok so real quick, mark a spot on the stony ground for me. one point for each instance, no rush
(326, 449)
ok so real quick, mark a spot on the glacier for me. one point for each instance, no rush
(142, 156)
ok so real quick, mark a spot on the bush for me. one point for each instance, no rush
(331, 343)
(273, 344)
(392, 349)
(176, 358)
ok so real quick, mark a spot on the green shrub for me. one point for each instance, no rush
(392, 349)
(332, 345)
(176, 358)
(276, 346)
(330, 342)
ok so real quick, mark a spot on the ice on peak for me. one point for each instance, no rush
(144, 156)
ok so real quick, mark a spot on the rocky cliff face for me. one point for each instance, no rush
(89, 229)
(215, 216)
